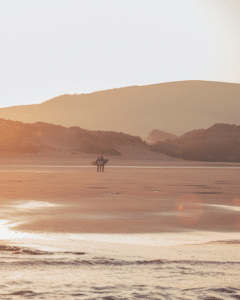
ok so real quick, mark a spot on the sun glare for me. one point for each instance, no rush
(189, 209)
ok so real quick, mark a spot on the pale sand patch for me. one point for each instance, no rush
(225, 207)
(30, 205)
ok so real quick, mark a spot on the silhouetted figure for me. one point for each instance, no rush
(98, 164)
(102, 165)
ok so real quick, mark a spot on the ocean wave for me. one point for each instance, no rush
(22, 293)
(109, 262)
(18, 250)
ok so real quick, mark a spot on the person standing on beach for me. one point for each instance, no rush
(102, 165)
(97, 162)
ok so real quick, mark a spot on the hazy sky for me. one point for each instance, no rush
(54, 47)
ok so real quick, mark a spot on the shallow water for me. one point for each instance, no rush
(71, 276)
(120, 266)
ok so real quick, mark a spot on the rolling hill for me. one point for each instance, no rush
(175, 107)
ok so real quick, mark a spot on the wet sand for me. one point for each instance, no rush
(70, 198)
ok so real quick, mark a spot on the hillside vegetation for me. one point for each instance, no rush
(18, 137)
(220, 142)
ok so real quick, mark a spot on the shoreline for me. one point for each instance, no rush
(199, 246)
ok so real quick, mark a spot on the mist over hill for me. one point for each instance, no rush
(174, 107)
(220, 142)
(157, 135)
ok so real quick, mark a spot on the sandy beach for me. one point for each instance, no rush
(61, 195)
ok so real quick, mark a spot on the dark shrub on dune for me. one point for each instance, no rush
(221, 142)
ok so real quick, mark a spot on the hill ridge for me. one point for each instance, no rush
(175, 107)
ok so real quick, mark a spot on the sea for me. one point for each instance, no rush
(184, 265)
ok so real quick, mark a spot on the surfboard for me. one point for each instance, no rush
(100, 163)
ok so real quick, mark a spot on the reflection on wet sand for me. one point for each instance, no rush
(122, 200)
